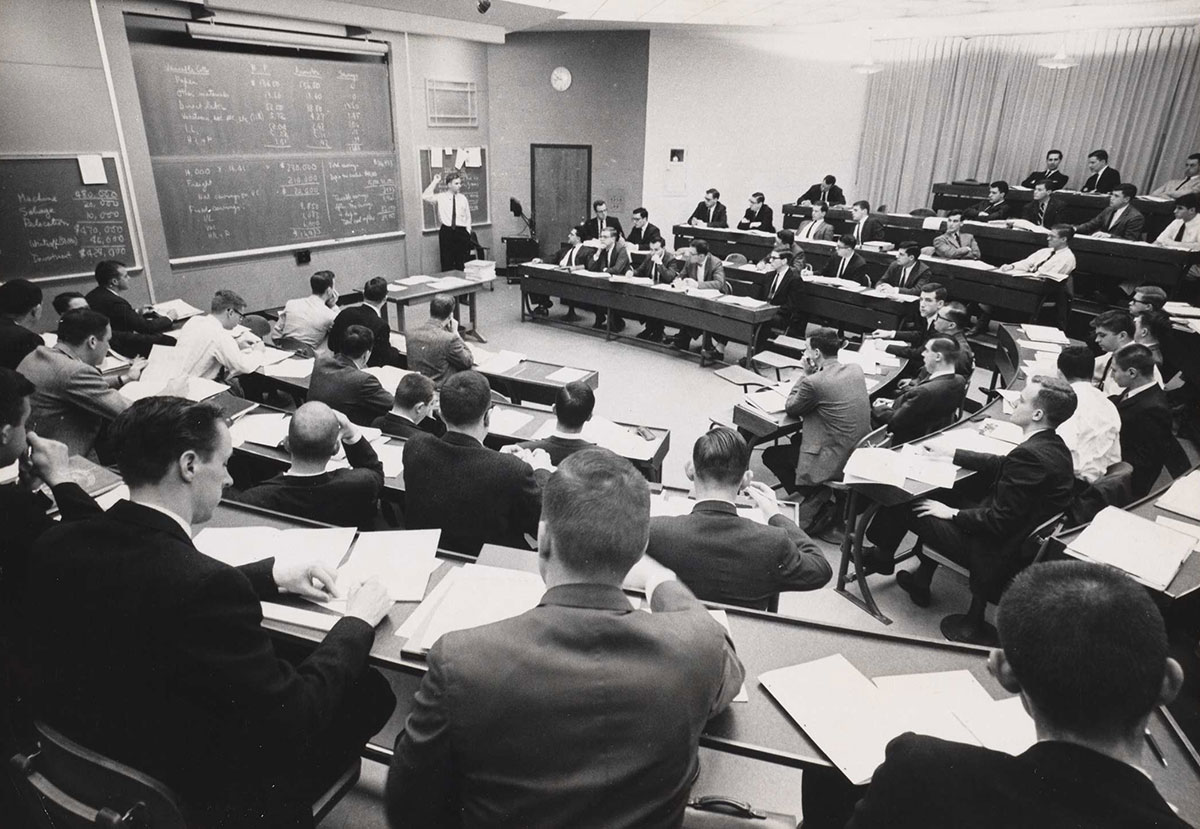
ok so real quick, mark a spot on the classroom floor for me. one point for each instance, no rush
(653, 386)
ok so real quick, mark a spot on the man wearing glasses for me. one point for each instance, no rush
(209, 346)
(785, 292)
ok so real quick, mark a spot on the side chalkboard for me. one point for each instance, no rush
(52, 224)
(472, 163)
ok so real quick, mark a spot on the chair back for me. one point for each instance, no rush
(1113, 489)
(736, 259)
(259, 325)
(77, 788)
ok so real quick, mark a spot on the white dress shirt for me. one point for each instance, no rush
(1093, 433)
(207, 347)
(1191, 233)
(447, 203)
(306, 320)
(1047, 261)
(1102, 376)
(1179, 187)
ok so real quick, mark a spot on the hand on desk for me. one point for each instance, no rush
(1006, 268)
(763, 497)
(135, 369)
(936, 451)
(537, 458)
(369, 601)
(307, 579)
(935, 509)
(882, 334)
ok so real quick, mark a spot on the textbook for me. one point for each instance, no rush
(245, 545)
(183, 310)
(1150, 552)
(1183, 497)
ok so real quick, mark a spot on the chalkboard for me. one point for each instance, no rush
(260, 152)
(52, 224)
(475, 179)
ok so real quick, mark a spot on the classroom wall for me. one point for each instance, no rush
(605, 107)
(766, 113)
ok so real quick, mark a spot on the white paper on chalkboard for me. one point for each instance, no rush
(91, 169)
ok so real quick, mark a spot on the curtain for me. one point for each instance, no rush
(956, 108)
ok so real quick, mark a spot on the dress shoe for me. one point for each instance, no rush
(618, 324)
(541, 311)
(712, 354)
(824, 518)
(600, 323)
(957, 628)
(644, 334)
(919, 593)
(655, 336)
(680, 344)
(877, 562)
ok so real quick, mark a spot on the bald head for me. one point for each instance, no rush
(313, 433)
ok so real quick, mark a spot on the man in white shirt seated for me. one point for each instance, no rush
(1093, 433)
(1113, 330)
(1190, 183)
(307, 321)
(1055, 258)
(1184, 232)
(209, 345)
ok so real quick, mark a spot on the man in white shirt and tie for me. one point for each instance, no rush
(454, 220)
(866, 228)
(1056, 258)
(1190, 183)
(209, 345)
(818, 229)
(1093, 433)
(1184, 232)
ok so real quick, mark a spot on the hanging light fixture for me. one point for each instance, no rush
(869, 66)
(1060, 59)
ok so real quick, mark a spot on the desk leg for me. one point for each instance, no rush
(852, 549)
(525, 309)
(748, 363)
(609, 334)
(474, 332)
(399, 318)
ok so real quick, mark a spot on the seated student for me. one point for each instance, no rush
(435, 348)
(72, 399)
(154, 654)
(710, 212)
(1103, 178)
(758, 216)
(723, 557)
(825, 191)
(864, 226)
(1056, 178)
(20, 308)
(954, 244)
(1093, 433)
(996, 207)
(847, 264)
(832, 398)
(208, 345)
(1086, 649)
(908, 274)
(573, 406)
(574, 254)
(411, 406)
(950, 321)
(1147, 298)
(931, 300)
(612, 258)
(343, 497)
(984, 524)
(594, 228)
(1146, 437)
(643, 232)
(661, 266)
(1043, 210)
(817, 228)
(785, 239)
(339, 380)
(1184, 229)
(475, 495)
(931, 403)
(69, 301)
(307, 321)
(786, 292)
(370, 315)
(1190, 183)
(1151, 329)
(134, 331)
(578, 712)
(1056, 258)
(1112, 330)
(704, 271)
(1120, 220)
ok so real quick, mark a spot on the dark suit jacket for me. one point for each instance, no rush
(1102, 182)
(725, 558)
(641, 237)
(1130, 226)
(576, 257)
(1056, 178)
(401, 427)
(614, 261)
(558, 448)
(856, 269)
(963, 366)
(1145, 435)
(1050, 219)
(1027, 486)
(813, 194)
(581, 712)
(591, 228)
(765, 217)
(133, 334)
(475, 495)
(342, 497)
(985, 211)
(789, 296)
(872, 230)
(337, 382)
(719, 218)
(914, 338)
(927, 783)
(16, 341)
(154, 654)
(666, 272)
(383, 353)
(916, 280)
(924, 407)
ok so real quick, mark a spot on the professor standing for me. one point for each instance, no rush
(454, 220)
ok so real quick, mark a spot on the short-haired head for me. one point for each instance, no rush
(1114, 321)
(1054, 152)
(720, 456)
(108, 270)
(321, 281)
(700, 246)
(313, 433)
(1000, 184)
(1128, 190)
(225, 300)
(1075, 363)
(1153, 324)
(14, 388)
(1064, 232)
(712, 193)
(413, 389)
(18, 297)
(847, 240)
(1135, 357)
(599, 203)
(1099, 155)
(1152, 295)
(375, 290)
(641, 212)
(69, 301)
(956, 212)
(357, 342)
(956, 313)
(758, 197)
(152, 435)
(1188, 201)
(786, 235)
(574, 403)
(76, 326)
(825, 340)
(452, 177)
(595, 515)
(940, 294)
(830, 180)
(862, 204)
(1087, 646)
(823, 206)
(912, 249)
(1055, 398)
(441, 307)
(608, 233)
(944, 346)
(465, 399)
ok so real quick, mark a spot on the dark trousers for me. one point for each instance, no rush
(454, 244)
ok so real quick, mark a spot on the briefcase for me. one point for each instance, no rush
(717, 812)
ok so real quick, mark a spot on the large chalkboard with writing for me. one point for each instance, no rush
(254, 152)
(52, 224)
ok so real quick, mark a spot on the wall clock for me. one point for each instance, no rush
(560, 79)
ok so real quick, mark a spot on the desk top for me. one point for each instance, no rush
(1023, 195)
(416, 293)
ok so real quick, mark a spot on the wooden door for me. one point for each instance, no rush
(561, 191)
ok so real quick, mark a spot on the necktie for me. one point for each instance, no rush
(905, 276)
(1179, 235)
(711, 210)
(842, 267)
(599, 227)
(775, 283)
(956, 242)
(1112, 220)
(453, 210)
(858, 228)
(1042, 213)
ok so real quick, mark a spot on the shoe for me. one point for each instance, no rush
(919, 593)
(655, 337)
(712, 354)
(680, 344)
(644, 334)
(956, 628)
(618, 325)
(600, 323)
(541, 311)
(571, 316)
(824, 518)
(876, 562)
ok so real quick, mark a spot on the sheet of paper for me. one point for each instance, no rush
(447, 283)
(1149, 552)
(790, 342)
(294, 369)
(183, 310)
(933, 471)
(237, 545)
(620, 439)
(474, 156)
(270, 355)
(882, 466)
(1045, 334)
(723, 620)
(508, 421)
(91, 169)
(566, 375)
(865, 361)
(932, 223)
(770, 401)
(1183, 497)
(1011, 399)
(480, 596)
(704, 293)
(401, 560)
(1183, 527)
(498, 362)
(971, 440)
(398, 341)
(411, 281)
(388, 376)
(1001, 725)
(1002, 430)
(949, 689)
(112, 363)
(265, 429)
(392, 457)
(419, 618)
(111, 497)
(314, 619)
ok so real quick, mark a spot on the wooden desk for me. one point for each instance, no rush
(722, 319)
(424, 293)
(723, 241)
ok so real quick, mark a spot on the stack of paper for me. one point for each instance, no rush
(271, 355)
(266, 429)
(704, 293)
(1183, 497)
(388, 376)
(294, 369)
(243, 545)
(969, 439)
(1192, 531)
(743, 301)
(1002, 430)
(496, 362)
(391, 455)
(1174, 309)
(885, 466)
(113, 363)
(1149, 552)
(566, 375)
(181, 309)
(413, 281)
(468, 597)
(772, 401)
(1045, 334)
(315, 619)
(505, 421)
(1034, 345)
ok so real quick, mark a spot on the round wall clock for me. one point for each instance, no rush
(560, 79)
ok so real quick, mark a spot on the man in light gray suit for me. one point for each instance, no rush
(704, 271)
(832, 399)
(816, 229)
(435, 349)
(954, 244)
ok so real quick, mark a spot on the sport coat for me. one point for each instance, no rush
(401, 427)
(133, 333)
(725, 558)
(16, 341)
(581, 712)
(591, 228)
(708, 273)
(473, 494)
(837, 414)
(718, 215)
(924, 407)
(339, 383)
(383, 353)
(1129, 226)
(1048, 219)
(788, 296)
(1102, 182)
(833, 196)
(1145, 434)
(575, 256)
(856, 269)
(917, 277)
(641, 237)
(927, 783)
(557, 447)
(872, 230)
(665, 271)
(71, 399)
(914, 336)
(765, 218)
(947, 246)
(154, 654)
(822, 232)
(612, 261)
(1058, 180)
(436, 352)
(985, 211)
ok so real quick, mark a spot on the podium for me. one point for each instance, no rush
(517, 251)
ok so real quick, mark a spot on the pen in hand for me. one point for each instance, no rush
(1154, 747)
